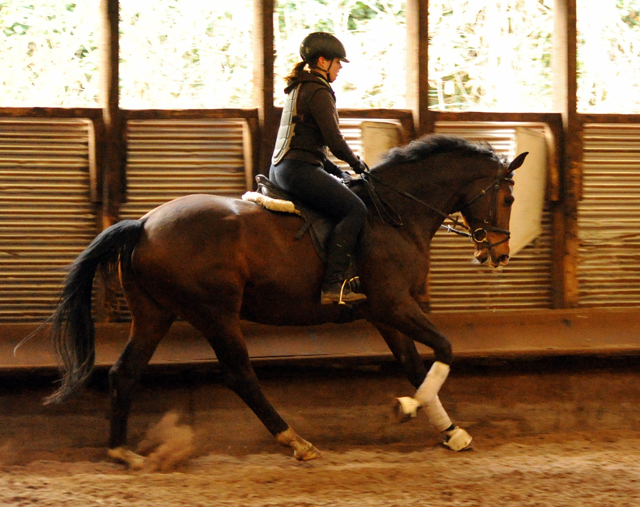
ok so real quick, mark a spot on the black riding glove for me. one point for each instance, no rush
(360, 167)
(346, 177)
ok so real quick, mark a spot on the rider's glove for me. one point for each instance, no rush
(360, 166)
(346, 177)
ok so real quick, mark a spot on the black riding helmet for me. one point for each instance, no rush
(324, 44)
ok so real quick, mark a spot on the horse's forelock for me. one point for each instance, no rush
(436, 144)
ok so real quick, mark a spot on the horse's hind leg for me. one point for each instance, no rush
(150, 323)
(225, 336)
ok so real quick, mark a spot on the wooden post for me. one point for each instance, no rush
(113, 148)
(417, 66)
(565, 99)
(263, 83)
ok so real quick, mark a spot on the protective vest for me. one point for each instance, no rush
(286, 131)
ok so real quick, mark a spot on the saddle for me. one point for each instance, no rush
(274, 198)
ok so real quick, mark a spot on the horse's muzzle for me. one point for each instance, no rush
(494, 256)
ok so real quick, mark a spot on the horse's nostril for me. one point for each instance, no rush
(503, 259)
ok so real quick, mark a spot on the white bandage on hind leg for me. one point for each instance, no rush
(427, 395)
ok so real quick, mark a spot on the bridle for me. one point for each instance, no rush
(480, 235)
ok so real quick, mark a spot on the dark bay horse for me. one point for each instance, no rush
(214, 261)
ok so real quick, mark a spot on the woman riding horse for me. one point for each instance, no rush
(309, 125)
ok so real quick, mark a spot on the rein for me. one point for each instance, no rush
(387, 213)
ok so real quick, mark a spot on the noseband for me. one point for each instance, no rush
(480, 235)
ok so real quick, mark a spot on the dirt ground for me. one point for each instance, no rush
(553, 432)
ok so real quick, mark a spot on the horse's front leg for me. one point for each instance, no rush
(404, 350)
(409, 320)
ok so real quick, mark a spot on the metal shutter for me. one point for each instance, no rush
(46, 217)
(171, 158)
(167, 159)
(456, 284)
(609, 217)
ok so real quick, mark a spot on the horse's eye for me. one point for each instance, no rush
(508, 201)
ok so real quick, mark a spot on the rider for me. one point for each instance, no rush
(300, 165)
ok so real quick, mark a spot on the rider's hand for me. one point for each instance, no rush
(360, 167)
(346, 177)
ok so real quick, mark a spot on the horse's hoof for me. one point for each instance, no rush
(405, 409)
(302, 450)
(131, 459)
(306, 452)
(457, 439)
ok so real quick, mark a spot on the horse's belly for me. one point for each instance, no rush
(233, 253)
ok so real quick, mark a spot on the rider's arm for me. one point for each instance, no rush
(323, 109)
(332, 168)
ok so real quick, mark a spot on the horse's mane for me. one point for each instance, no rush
(436, 144)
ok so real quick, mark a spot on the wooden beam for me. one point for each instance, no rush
(565, 100)
(492, 116)
(188, 114)
(263, 83)
(51, 112)
(609, 118)
(111, 149)
(417, 65)
(111, 145)
(540, 333)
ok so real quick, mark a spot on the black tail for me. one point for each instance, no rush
(72, 329)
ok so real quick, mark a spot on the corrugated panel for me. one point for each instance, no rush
(456, 284)
(172, 158)
(609, 217)
(352, 133)
(46, 217)
(167, 159)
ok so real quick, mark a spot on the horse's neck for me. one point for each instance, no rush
(437, 189)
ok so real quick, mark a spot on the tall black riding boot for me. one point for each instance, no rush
(335, 287)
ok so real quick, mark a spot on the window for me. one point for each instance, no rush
(608, 62)
(374, 35)
(186, 54)
(48, 53)
(490, 56)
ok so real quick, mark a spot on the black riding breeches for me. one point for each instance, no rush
(323, 192)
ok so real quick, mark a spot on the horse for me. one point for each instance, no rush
(214, 261)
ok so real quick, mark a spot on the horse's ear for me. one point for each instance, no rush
(517, 162)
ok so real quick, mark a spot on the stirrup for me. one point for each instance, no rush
(343, 297)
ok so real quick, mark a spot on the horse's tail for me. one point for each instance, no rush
(72, 329)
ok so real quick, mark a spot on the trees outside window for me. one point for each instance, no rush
(186, 54)
(490, 56)
(176, 54)
(608, 56)
(374, 35)
(49, 53)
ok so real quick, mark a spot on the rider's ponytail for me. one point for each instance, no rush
(294, 75)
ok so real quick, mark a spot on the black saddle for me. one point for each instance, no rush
(319, 226)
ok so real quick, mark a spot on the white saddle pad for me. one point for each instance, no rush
(271, 203)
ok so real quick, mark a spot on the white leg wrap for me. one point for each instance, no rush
(427, 395)
(437, 415)
(428, 391)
